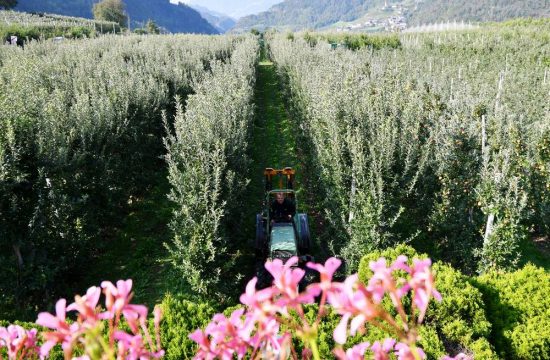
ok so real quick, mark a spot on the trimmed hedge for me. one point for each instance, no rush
(458, 323)
(181, 317)
(518, 305)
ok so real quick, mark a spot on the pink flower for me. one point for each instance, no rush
(401, 264)
(64, 333)
(87, 307)
(382, 281)
(131, 347)
(381, 350)
(266, 335)
(134, 314)
(286, 279)
(258, 301)
(352, 301)
(341, 331)
(117, 297)
(355, 353)
(423, 285)
(204, 343)
(117, 301)
(404, 352)
(157, 318)
(326, 272)
(19, 342)
(224, 337)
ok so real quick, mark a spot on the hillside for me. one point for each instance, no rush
(307, 14)
(303, 14)
(220, 21)
(176, 18)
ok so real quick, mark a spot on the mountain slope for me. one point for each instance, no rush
(314, 14)
(175, 18)
(221, 22)
(302, 14)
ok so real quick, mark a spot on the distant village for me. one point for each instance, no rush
(395, 23)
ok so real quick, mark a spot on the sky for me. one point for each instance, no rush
(233, 8)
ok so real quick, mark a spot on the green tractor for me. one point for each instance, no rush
(281, 232)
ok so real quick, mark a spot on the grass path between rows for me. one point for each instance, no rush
(274, 142)
(136, 249)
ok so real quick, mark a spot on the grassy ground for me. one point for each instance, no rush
(277, 143)
(274, 141)
(137, 251)
(273, 144)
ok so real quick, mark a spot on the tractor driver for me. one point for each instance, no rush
(282, 209)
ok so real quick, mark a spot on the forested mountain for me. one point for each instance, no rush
(301, 14)
(304, 14)
(220, 21)
(175, 18)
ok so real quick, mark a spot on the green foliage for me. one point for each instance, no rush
(7, 4)
(484, 10)
(356, 41)
(176, 18)
(456, 324)
(41, 26)
(110, 10)
(426, 141)
(182, 316)
(518, 307)
(152, 27)
(206, 158)
(303, 14)
(80, 135)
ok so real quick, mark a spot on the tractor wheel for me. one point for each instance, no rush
(260, 243)
(264, 277)
(304, 242)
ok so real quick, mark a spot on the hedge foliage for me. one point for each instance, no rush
(459, 322)
(80, 133)
(207, 155)
(182, 316)
(518, 305)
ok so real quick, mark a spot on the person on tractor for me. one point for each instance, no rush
(282, 209)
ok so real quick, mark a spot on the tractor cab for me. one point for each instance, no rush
(286, 234)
